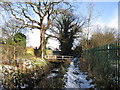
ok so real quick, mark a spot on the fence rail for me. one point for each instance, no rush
(57, 57)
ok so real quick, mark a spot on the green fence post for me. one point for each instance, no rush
(86, 53)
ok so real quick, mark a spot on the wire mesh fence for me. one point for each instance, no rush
(104, 63)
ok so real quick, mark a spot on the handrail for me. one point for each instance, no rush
(58, 57)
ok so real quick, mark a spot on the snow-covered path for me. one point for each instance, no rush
(75, 78)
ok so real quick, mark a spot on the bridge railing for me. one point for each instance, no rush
(57, 57)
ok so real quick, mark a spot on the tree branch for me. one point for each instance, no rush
(30, 18)
(52, 36)
(31, 4)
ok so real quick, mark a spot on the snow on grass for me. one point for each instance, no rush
(75, 78)
(52, 75)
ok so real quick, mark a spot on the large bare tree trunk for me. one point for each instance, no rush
(42, 41)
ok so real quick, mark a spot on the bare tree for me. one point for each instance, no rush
(10, 28)
(103, 36)
(34, 15)
(89, 18)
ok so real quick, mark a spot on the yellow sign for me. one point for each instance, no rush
(49, 52)
(30, 51)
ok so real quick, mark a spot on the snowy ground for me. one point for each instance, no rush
(75, 78)
(1, 76)
(53, 74)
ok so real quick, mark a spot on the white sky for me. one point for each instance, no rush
(33, 39)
